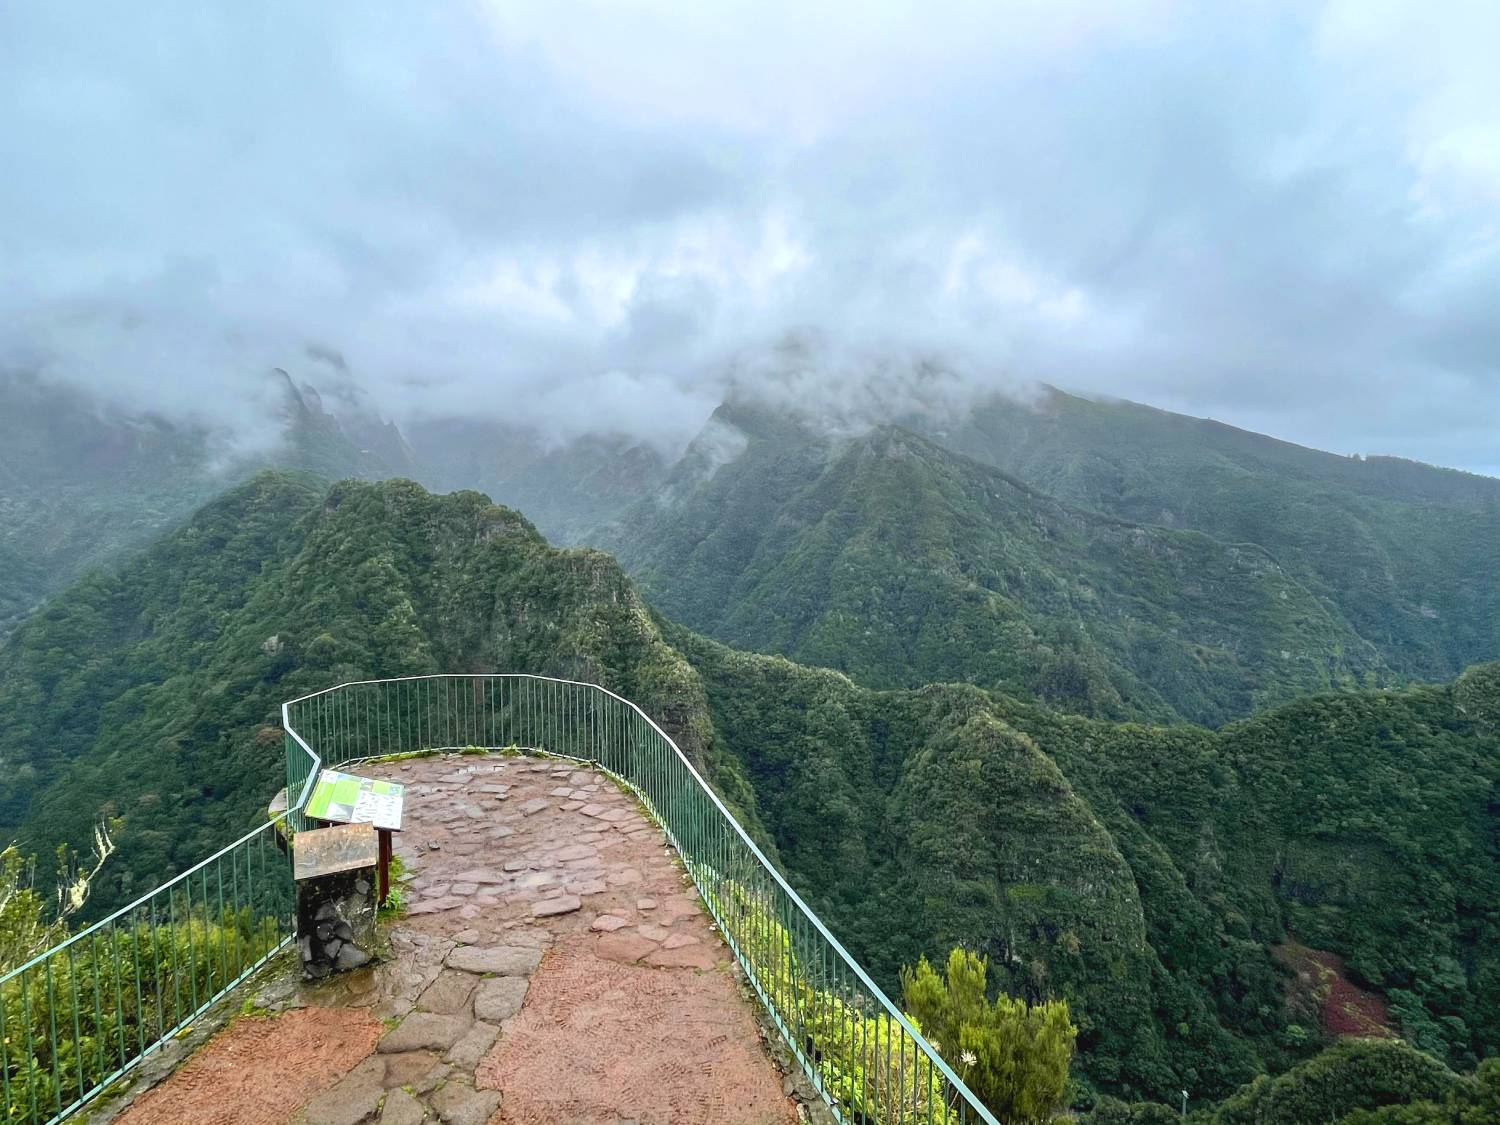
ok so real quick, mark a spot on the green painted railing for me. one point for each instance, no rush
(865, 1058)
(81, 1015)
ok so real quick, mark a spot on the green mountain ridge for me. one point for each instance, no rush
(1408, 554)
(1146, 873)
(899, 562)
(152, 694)
(84, 484)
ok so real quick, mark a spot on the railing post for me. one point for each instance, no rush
(836, 1021)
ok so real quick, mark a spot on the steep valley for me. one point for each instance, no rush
(1146, 873)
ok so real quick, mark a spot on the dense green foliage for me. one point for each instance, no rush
(1013, 1054)
(1353, 1082)
(84, 483)
(1144, 874)
(1405, 553)
(152, 694)
(95, 1007)
(23, 584)
(1352, 1075)
(900, 563)
(1475, 1102)
(76, 1010)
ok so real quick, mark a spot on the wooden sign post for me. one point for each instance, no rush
(346, 798)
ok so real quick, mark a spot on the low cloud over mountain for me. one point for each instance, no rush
(609, 218)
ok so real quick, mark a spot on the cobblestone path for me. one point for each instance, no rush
(553, 965)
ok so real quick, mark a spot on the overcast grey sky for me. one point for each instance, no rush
(596, 215)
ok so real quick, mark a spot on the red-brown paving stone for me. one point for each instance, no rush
(598, 1041)
(600, 1035)
(259, 1071)
(501, 876)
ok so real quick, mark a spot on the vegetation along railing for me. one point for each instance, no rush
(860, 1052)
(80, 1015)
(83, 1013)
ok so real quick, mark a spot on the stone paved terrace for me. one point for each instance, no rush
(553, 965)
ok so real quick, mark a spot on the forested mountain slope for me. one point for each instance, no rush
(1145, 873)
(83, 483)
(1148, 874)
(1407, 553)
(152, 695)
(892, 559)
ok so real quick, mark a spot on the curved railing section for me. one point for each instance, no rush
(862, 1055)
(80, 1016)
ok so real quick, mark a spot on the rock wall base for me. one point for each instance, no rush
(336, 922)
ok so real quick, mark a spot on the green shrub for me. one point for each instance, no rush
(1353, 1074)
(93, 1007)
(867, 1062)
(1012, 1054)
(1112, 1111)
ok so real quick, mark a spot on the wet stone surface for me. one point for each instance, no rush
(524, 870)
(552, 965)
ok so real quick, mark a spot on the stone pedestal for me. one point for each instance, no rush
(336, 878)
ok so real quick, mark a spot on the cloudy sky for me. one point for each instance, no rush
(601, 215)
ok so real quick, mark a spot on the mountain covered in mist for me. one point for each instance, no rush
(1160, 878)
(1106, 557)
(889, 557)
(568, 489)
(84, 482)
(79, 482)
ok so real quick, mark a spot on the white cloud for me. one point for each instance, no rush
(1257, 212)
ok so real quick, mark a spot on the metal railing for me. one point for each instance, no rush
(861, 1054)
(78, 1017)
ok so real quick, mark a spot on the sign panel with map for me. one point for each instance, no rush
(346, 798)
